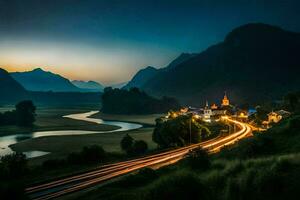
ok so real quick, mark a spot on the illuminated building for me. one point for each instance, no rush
(225, 101)
(274, 117)
(207, 112)
(214, 106)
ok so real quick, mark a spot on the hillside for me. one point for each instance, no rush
(10, 90)
(40, 80)
(240, 65)
(146, 74)
(134, 101)
(180, 59)
(91, 86)
(141, 77)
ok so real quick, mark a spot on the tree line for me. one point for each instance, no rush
(135, 101)
(22, 115)
(179, 131)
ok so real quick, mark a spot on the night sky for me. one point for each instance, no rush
(108, 41)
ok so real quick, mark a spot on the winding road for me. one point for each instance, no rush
(88, 179)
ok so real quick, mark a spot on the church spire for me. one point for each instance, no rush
(225, 101)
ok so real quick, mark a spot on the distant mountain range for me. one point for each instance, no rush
(118, 85)
(12, 92)
(91, 86)
(255, 62)
(40, 80)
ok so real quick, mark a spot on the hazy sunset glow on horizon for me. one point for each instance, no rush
(77, 62)
(109, 41)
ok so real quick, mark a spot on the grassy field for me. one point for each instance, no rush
(265, 166)
(274, 177)
(60, 146)
(142, 119)
(50, 119)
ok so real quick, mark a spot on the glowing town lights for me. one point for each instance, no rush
(224, 117)
(196, 116)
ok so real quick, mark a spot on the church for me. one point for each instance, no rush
(214, 110)
(225, 101)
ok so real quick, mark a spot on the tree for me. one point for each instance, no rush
(134, 101)
(93, 154)
(176, 131)
(126, 143)
(132, 147)
(197, 159)
(25, 113)
(140, 147)
(292, 101)
(13, 165)
(89, 154)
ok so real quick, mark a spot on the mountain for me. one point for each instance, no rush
(91, 86)
(40, 80)
(255, 62)
(180, 59)
(141, 77)
(146, 74)
(118, 85)
(10, 90)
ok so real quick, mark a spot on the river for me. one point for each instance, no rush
(6, 141)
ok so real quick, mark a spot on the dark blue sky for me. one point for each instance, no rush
(110, 40)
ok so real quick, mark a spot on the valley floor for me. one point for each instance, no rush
(50, 119)
(60, 146)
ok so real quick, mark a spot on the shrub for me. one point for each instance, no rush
(132, 147)
(13, 165)
(140, 147)
(144, 176)
(53, 163)
(25, 111)
(197, 159)
(12, 190)
(182, 185)
(91, 154)
(126, 143)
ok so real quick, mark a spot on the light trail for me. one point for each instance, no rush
(106, 172)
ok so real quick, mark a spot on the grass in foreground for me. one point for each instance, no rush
(263, 167)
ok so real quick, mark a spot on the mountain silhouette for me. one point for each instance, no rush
(40, 80)
(10, 90)
(146, 74)
(141, 77)
(91, 86)
(255, 62)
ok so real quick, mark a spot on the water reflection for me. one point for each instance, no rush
(6, 141)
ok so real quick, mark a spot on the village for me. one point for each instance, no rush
(214, 112)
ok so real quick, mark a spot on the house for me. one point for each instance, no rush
(274, 117)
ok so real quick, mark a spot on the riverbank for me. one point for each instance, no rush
(50, 119)
(61, 146)
(146, 120)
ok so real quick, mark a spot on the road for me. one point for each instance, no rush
(88, 179)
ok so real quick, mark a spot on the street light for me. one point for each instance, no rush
(191, 129)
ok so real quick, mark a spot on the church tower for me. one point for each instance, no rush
(207, 112)
(225, 101)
